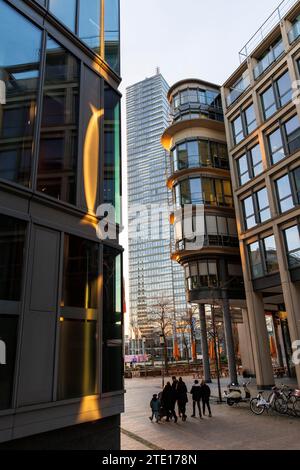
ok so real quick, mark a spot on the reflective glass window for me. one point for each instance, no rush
(238, 132)
(90, 23)
(112, 33)
(268, 102)
(65, 11)
(292, 129)
(250, 119)
(284, 89)
(284, 191)
(270, 254)
(20, 52)
(112, 150)
(81, 273)
(249, 213)
(256, 260)
(243, 170)
(59, 129)
(263, 205)
(256, 160)
(276, 146)
(293, 245)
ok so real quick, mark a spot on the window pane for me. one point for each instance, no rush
(12, 240)
(250, 119)
(20, 51)
(89, 23)
(222, 226)
(249, 213)
(293, 245)
(59, 130)
(243, 169)
(182, 156)
(296, 175)
(263, 204)
(268, 102)
(284, 191)
(204, 153)
(77, 359)
(8, 338)
(284, 89)
(292, 128)
(211, 225)
(112, 321)
(112, 151)
(255, 260)
(65, 11)
(276, 146)
(238, 132)
(256, 158)
(271, 254)
(195, 189)
(112, 34)
(81, 273)
(193, 154)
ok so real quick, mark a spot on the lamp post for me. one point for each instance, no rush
(162, 343)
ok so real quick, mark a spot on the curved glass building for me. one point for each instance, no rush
(201, 186)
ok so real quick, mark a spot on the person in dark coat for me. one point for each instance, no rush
(174, 398)
(155, 407)
(167, 400)
(205, 395)
(196, 393)
(182, 398)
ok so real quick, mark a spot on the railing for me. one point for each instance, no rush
(203, 199)
(238, 90)
(273, 20)
(196, 111)
(194, 161)
(206, 241)
(294, 32)
(269, 59)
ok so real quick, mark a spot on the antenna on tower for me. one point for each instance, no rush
(157, 70)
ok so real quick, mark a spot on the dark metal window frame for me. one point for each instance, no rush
(257, 209)
(250, 165)
(284, 138)
(286, 244)
(245, 125)
(202, 201)
(277, 97)
(295, 194)
(263, 257)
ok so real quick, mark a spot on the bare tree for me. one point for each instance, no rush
(161, 316)
(187, 326)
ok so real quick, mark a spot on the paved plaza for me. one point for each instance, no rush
(230, 428)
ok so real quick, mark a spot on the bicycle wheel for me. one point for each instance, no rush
(297, 407)
(280, 405)
(256, 407)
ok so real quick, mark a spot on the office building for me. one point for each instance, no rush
(200, 178)
(152, 275)
(61, 380)
(262, 115)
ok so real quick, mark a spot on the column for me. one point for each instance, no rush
(204, 344)
(246, 344)
(260, 341)
(229, 342)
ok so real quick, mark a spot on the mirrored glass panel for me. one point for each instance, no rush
(65, 11)
(59, 129)
(90, 23)
(112, 33)
(20, 49)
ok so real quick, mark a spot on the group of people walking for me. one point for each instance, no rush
(164, 404)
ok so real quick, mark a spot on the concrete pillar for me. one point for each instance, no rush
(204, 344)
(278, 343)
(229, 342)
(260, 341)
(246, 348)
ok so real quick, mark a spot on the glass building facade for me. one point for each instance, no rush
(149, 238)
(61, 301)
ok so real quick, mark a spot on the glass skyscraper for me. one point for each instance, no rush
(152, 275)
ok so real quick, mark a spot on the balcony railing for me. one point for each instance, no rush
(269, 59)
(238, 90)
(193, 161)
(206, 241)
(197, 111)
(294, 32)
(273, 20)
(210, 200)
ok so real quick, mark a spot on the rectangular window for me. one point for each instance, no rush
(256, 160)
(268, 102)
(12, 241)
(250, 119)
(270, 253)
(249, 213)
(284, 89)
(90, 23)
(284, 192)
(112, 33)
(243, 170)
(276, 147)
(112, 321)
(292, 130)
(112, 151)
(65, 11)
(263, 205)
(256, 260)
(59, 129)
(20, 53)
(292, 238)
(81, 273)
(238, 131)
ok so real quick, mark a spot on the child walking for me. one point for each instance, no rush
(155, 407)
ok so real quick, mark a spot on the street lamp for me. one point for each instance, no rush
(162, 343)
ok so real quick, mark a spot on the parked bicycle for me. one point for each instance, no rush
(282, 400)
